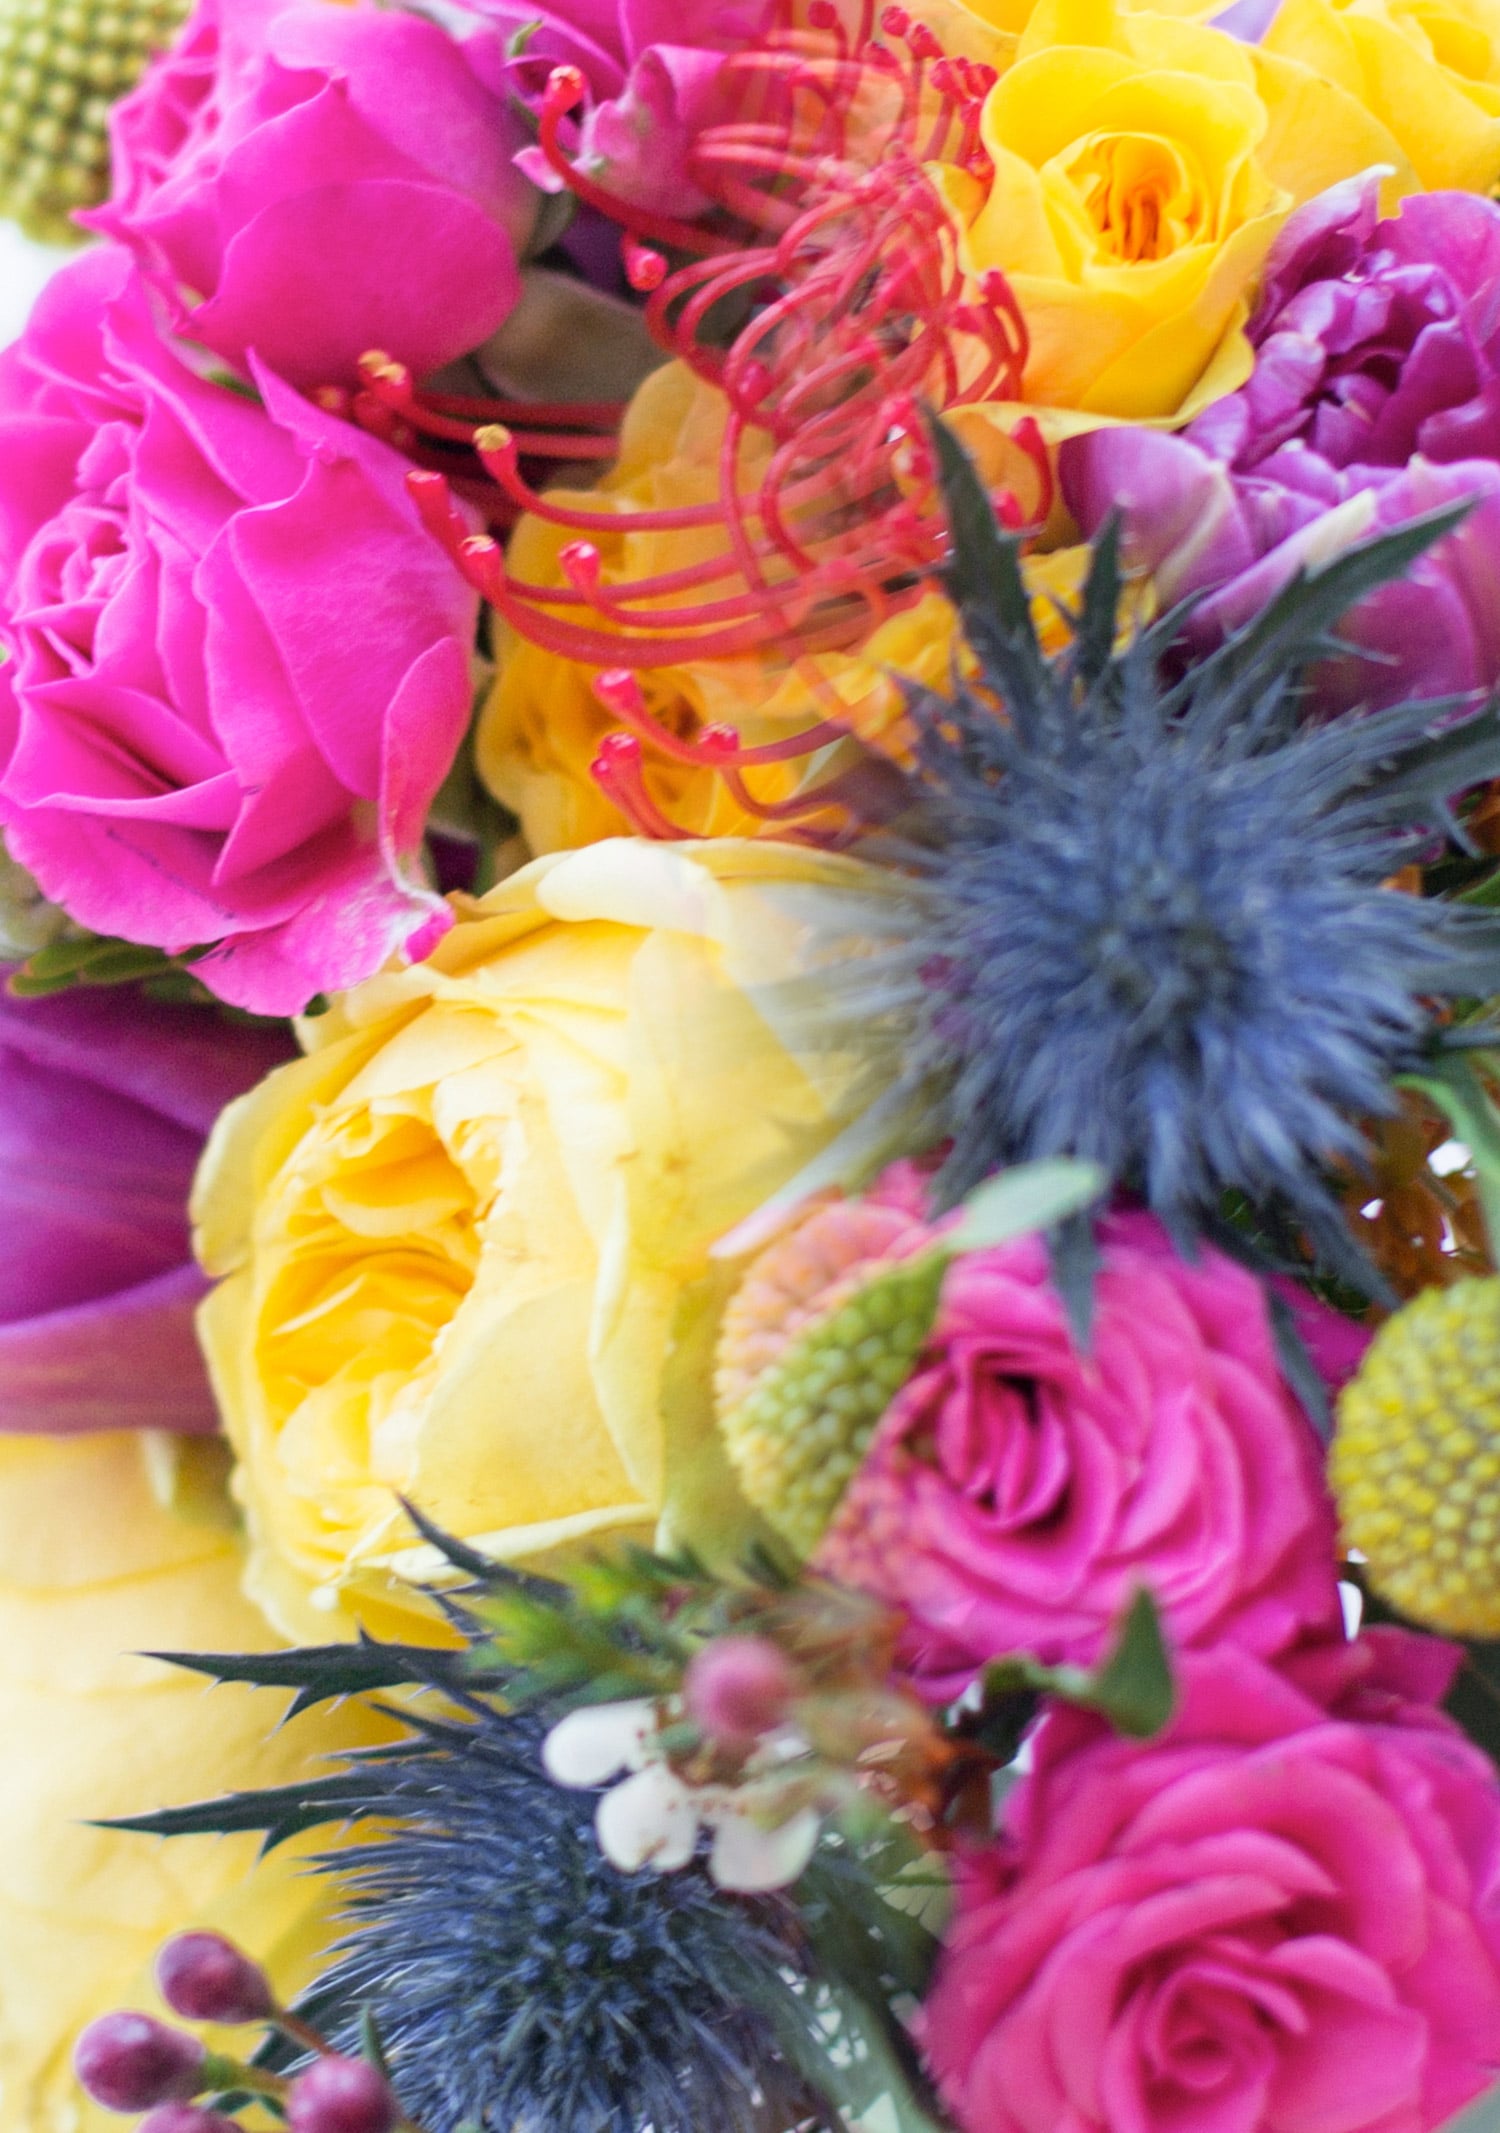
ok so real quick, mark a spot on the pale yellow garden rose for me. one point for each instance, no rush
(1143, 166)
(1429, 70)
(455, 1240)
(94, 1570)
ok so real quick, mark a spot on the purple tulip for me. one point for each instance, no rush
(1375, 396)
(105, 1101)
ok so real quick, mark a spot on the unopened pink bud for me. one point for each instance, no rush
(187, 2118)
(207, 1978)
(738, 1688)
(128, 2062)
(341, 2096)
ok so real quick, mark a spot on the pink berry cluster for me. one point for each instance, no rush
(132, 2062)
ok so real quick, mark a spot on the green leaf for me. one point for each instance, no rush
(1480, 2116)
(1134, 1687)
(1452, 1082)
(1030, 1197)
(276, 1813)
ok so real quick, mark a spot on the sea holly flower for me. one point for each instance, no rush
(238, 668)
(1148, 921)
(1375, 396)
(306, 181)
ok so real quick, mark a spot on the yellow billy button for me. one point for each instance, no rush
(1415, 1464)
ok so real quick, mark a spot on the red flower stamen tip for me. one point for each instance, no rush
(566, 89)
(718, 744)
(482, 563)
(895, 21)
(616, 770)
(581, 566)
(620, 692)
(921, 42)
(334, 400)
(822, 15)
(645, 268)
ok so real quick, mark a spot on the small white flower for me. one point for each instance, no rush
(652, 1818)
(590, 1745)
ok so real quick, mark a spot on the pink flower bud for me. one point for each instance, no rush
(206, 1978)
(341, 2096)
(738, 1688)
(187, 2118)
(128, 2062)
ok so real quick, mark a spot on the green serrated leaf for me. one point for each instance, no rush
(318, 1673)
(275, 1814)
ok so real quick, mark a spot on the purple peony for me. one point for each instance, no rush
(1375, 397)
(105, 1102)
(238, 667)
(310, 181)
(654, 72)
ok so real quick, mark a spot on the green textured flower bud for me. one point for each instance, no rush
(799, 1435)
(1415, 1463)
(62, 64)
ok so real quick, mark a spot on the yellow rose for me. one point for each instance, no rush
(1142, 166)
(94, 1570)
(1429, 70)
(452, 1241)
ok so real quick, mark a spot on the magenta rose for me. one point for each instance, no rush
(314, 180)
(1276, 1918)
(1017, 1492)
(238, 668)
(105, 1102)
(654, 75)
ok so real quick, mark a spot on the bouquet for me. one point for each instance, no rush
(750, 1067)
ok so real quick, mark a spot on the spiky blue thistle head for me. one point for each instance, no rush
(520, 1983)
(1153, 922)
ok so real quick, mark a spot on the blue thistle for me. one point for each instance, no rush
(1148, 923)
(520, 1983)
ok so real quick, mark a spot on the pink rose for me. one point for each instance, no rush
(238, 668)
(105, 1102)
(655, 76)
(311, 181)
(1017, 1492)
(1272, 1919)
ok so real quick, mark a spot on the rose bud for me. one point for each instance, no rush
(206, 1978)
(128, 2062)
(341, 2096)
(738, 1688)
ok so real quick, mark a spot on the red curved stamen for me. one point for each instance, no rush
(616, 770)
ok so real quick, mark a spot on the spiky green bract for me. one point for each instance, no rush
(1149, 921)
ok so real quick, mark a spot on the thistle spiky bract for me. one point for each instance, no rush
(1150, 923)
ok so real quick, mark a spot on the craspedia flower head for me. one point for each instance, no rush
(518, 1979)
(61, 67)
(797, 1437)
(1152, 927)
(1415, 1464)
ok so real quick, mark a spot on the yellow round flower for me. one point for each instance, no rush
(94, 1570)
(454, 1240)
(1142, 167)
(1428, 70)
(1415, 1462)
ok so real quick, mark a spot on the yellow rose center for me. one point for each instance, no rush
(379, 1248)
(1141, 194)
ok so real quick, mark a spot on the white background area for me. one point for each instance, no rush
(24, 266)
